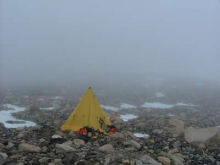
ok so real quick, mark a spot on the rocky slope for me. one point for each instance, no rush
(182, 139)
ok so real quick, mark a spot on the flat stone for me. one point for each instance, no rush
(116, 135)
(135, 144)
(78, 142)
(203, 135)
(146, 159)
(3, 155)
(44, 160)
(125, 162)
(178, 124)
(64, 148)
(173, 151)
(57, 161)
(107, 148)
(164, 160)
(28, 148)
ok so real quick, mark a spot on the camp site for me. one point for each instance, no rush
(118, 82)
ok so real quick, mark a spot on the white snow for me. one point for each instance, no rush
(49, 108)
(122, 106)
(127, 106)
(127, 117)
(141, 135)
(163, 106)
(170, 115)
(110, 108)
(57, 98)
(159, 95)
(156, 105)
(5, 116)
(183, 104)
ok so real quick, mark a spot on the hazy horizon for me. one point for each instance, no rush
(61, 42)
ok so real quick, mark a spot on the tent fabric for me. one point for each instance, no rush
(87, 113)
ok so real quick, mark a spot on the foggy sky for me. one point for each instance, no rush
(65, 41)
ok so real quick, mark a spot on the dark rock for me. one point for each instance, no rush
(70, 158)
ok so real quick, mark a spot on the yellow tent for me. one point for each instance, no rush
(87, 113)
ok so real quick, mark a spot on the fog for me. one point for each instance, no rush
(107, 42)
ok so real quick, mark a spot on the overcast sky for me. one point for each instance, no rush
(53, 41)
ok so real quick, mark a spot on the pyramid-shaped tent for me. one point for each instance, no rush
(87, 113)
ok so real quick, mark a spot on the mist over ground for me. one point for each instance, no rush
(54, 43)
(154, 66)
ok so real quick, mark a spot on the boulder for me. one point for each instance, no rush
(107, 161)
(70, 158)
(164, 160)
(107, 148)
(129, 134)
(9, 145)
(146, 159)
(22, 134)
(118, 121)
(125, 162)
(135, 144)
(178, 124)
(174, 151)
(58, 161)
(203, 135)
(138, 162)
(63, 148)
(158, 131)
(44, 160)
(78, 142)
(28, 148)
(3, 155)
(175, 159)
(116, 135)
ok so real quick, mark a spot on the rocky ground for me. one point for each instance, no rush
(190, 137)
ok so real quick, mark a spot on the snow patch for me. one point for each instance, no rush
(110, 108)
(156, 105)
(170, 115)
(127, 106)
(127, 117)
(49, 108)
(159, 95)
(123, 106)
(183, 104)
(6, 115)
(57, 98)
(141, 135)
(163, 106)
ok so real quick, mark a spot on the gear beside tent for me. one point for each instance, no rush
(88, 113)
